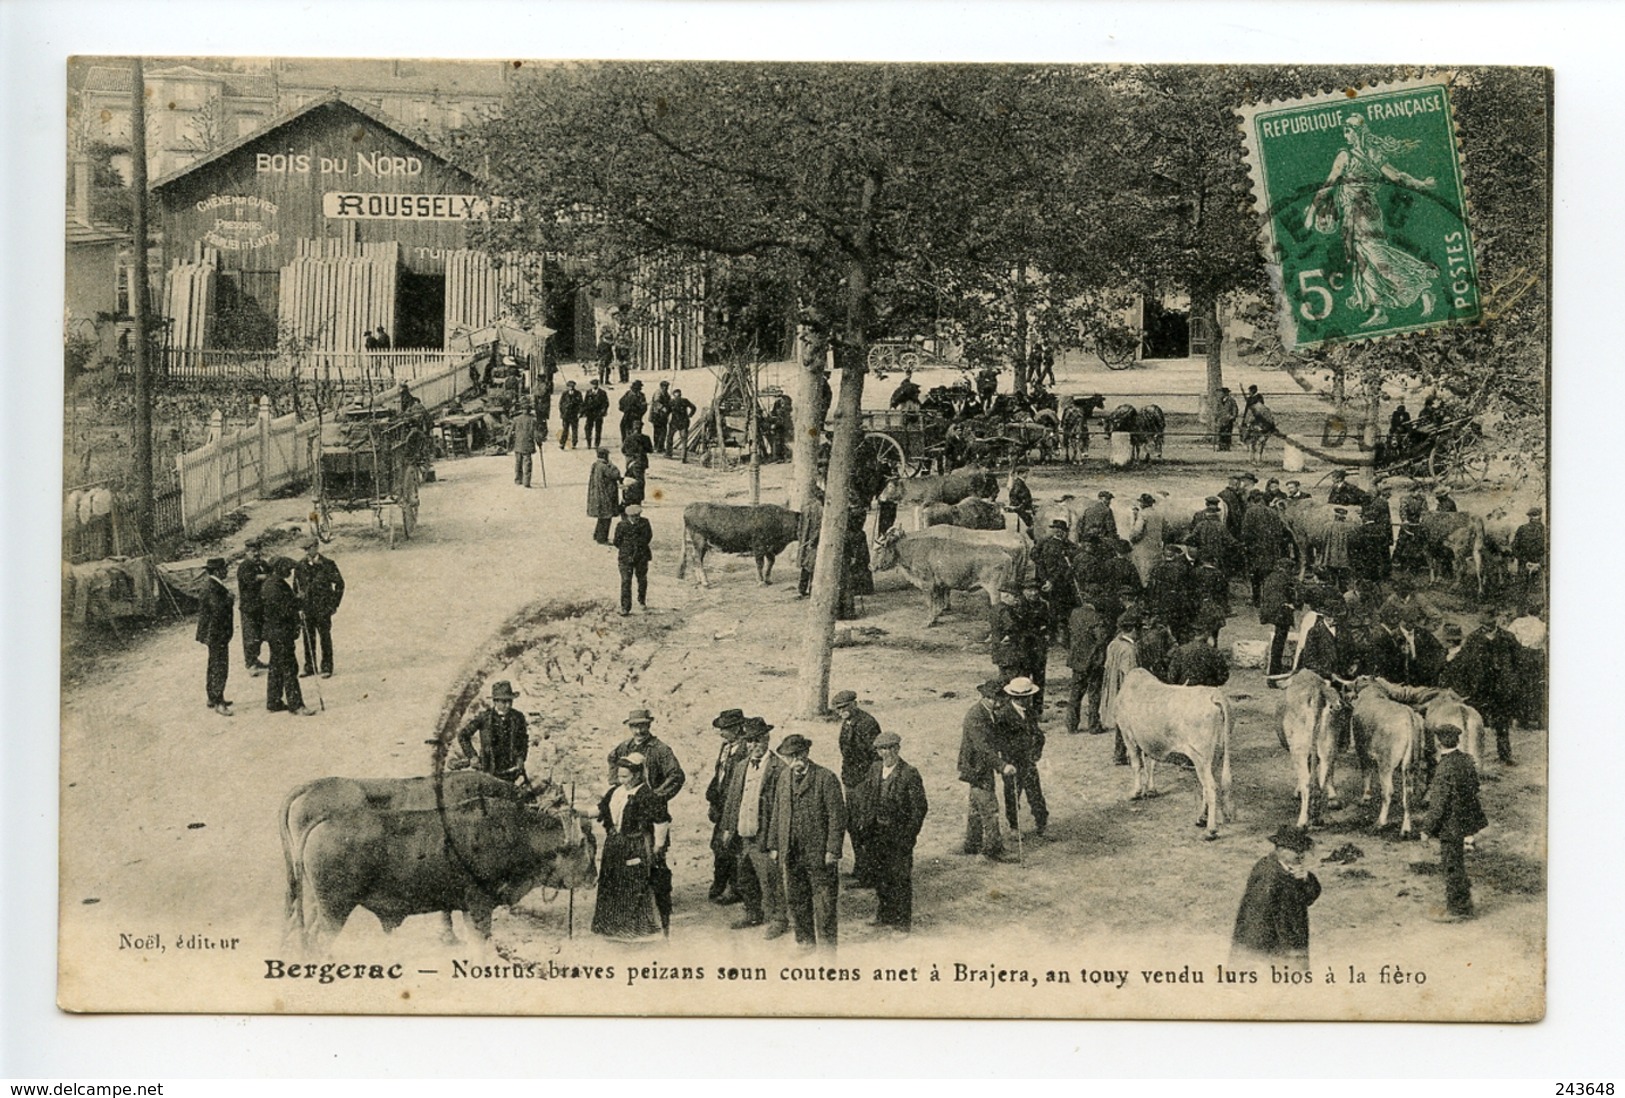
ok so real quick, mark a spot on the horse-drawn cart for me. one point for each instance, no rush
(370, 457)
(1452, 452)
(902, 443)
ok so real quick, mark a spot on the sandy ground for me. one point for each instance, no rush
(169, 811)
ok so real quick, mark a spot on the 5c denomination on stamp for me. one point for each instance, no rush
(1364, 210)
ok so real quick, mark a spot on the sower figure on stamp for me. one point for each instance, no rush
(1454, 813)
(746, 820)
(321, 589)
(979, 760)
(894, 806)
(730, 724)
(251, 574)
(504, 737)
(214, 629)
(858, 732)
(1272, 925)
(807, 834)
(665, 778)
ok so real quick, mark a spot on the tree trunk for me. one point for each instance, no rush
(139, 294)
(806, 434)
(1207, 306)
(1020, 353)
(818, 635)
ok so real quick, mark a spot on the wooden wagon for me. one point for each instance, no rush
(371, 458)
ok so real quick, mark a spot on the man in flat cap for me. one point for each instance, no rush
(1272, 924)
(603, 494)
(282, 693)
(214, 630)
(251, 575)
(633, 536)
(1529, 550)
(730, 723)
(504, 736)
(665, 777)
(321, 589)
(805, 839)
(894, 808)
(858, 731)
(1344, 494)
(1485, 672)
(1443, 501)
(1454, 813)
(1054, 562)
(747, 812)
(979, 760)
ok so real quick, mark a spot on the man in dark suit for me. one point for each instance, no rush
(1272, 924)
(633, 536)
(1454, 812)
(1198, 663)
(1086, 656)
(633, 405)
(857, 737)
(570, 402)
(730, 723)
(745, 821)
(665, 777)
(1053, 560)
(504, 736)
(894, 810)
(682, 413)
(1402, 653)
(660, 416)
(251, 575)
(1021, 742)
(594, 407)
(1098, 519)
(1485, 672)
(281, 606)
(321, 589)
(214, 629)
(805, 841)
(1168, 593)
(979, 760)
(1330, 650)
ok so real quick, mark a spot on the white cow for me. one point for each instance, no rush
(1310, 716)
(1387, 737)
(1157, 719)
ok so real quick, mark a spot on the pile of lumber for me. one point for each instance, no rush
(189, 299)
(336, 291)
(481, 288)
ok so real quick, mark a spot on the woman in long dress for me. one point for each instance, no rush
(1384, 275)
(636, 824)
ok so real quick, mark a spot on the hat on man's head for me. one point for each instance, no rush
(603, 451)
(1441, 490)
(888, 739)
(1021, 687)
(1245, 475)
(729, 718)
(1292, 838)
(795, 744)
(1452, 631)
(1103, 494)
(1147, 499)
(502, 690)
(633, 760)
(754, 730)
(1340, 474)
(844, 697)
(992, 688)
(254, 543)
(214, 565)
(634, 508)
(639, 716)
(1211, 501)
(1447, 736)
(1059, 524)
(309, 544)
(1533, 512)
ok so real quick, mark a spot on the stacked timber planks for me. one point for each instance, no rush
(481, 289)
(189, 299)
(335, 291)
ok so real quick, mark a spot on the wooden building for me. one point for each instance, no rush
(325, 224)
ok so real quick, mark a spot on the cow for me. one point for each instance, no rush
(1456, 539)
(1309, 523)
(973, 513)
(1157, 719)
(1440, 708)
(938, 562)
(919, 492)
(375, 844)
(762, 530)
(1311, 715)
(1144, 426)
(1387, 737)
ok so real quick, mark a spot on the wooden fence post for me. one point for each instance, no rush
(264, 425)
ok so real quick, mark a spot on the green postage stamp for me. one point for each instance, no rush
(1365, 228)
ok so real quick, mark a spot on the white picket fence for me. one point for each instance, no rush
(239, 466)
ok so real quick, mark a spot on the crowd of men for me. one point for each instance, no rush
(779, 822)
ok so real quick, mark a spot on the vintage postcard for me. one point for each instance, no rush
(767, 539)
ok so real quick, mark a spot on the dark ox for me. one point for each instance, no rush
(938, 563)
(1454, 540)
(384, 844)
(1145, 427)
(760, 530)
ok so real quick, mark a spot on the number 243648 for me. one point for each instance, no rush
(1582, 1089)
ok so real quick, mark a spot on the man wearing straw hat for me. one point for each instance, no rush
(1021, 742)
(746, 810)
(504, 736)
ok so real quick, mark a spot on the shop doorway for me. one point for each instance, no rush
(420, 313)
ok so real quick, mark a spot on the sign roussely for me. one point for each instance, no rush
(354, 205)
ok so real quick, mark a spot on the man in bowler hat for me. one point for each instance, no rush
(504, 736)
(214, 630)
(807, 832)
(1272, 925)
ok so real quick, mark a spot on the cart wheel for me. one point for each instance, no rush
(882, 451)
(910, 360)
(1460, 464)
(882, 356)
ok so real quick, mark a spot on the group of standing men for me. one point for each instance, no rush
(280, 602)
